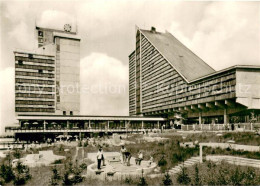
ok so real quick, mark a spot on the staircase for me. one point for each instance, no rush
(190, 162)
(234, 160)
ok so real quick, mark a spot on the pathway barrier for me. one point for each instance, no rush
(221, 127)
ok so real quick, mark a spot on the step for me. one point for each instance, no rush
(193, 160)
(176, 169)
(189, 163)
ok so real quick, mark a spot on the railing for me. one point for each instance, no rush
(23, 130)
(216, 127)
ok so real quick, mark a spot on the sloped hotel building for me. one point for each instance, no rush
(167, 79)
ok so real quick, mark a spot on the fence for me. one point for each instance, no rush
(218, 127)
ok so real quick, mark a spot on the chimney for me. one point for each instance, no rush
(153, 29)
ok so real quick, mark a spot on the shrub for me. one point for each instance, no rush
(17, 154)
(57, 162)
(80, 143)
(6, 173)
(251, 177)
(85, 143)
(142, 181)
(236, 176)
(83, 166)
(162, 162)
(61, 148)
(55, 177)
(129, 181)
(72, 175)
(183, 177)
(167, 179)
(21, 174)
(197, 179)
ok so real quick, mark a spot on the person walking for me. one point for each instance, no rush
(99, 158)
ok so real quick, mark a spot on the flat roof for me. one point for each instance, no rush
(227, 69)
(87, 117)
(66, 35)
(55, 30)
(20, 51)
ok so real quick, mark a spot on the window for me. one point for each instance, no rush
(20, 62)
(40, 33)
(64, 112)
(30, 56)
(58, 47)
(40, 40)
(40, 71)
(71, 113)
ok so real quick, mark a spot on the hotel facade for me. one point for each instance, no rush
(167, 79)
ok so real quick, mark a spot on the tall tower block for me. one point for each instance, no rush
(67, 51)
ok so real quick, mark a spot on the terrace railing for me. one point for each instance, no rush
(217, 127)
(40, 130)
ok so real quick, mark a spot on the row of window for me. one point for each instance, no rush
(31, 102)
(29, 109)
(37, 60)
(35, 88)
(34, 81)
(30, 95)
(34, 74)
(36, 67)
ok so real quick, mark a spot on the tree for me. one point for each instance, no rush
(183, 177)
(167, 179)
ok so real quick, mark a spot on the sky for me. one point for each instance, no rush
(222, 33)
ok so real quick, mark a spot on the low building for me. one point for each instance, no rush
(42, 127)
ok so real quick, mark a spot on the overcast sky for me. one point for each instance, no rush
(221, 33)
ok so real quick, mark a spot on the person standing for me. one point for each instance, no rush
(123, 151)
(139, 159)
(103, 158)
(99, 158)
(128, 157)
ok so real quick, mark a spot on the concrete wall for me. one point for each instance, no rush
(248, 88)
(69, 56)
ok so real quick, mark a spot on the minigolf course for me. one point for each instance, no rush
(114, 169)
